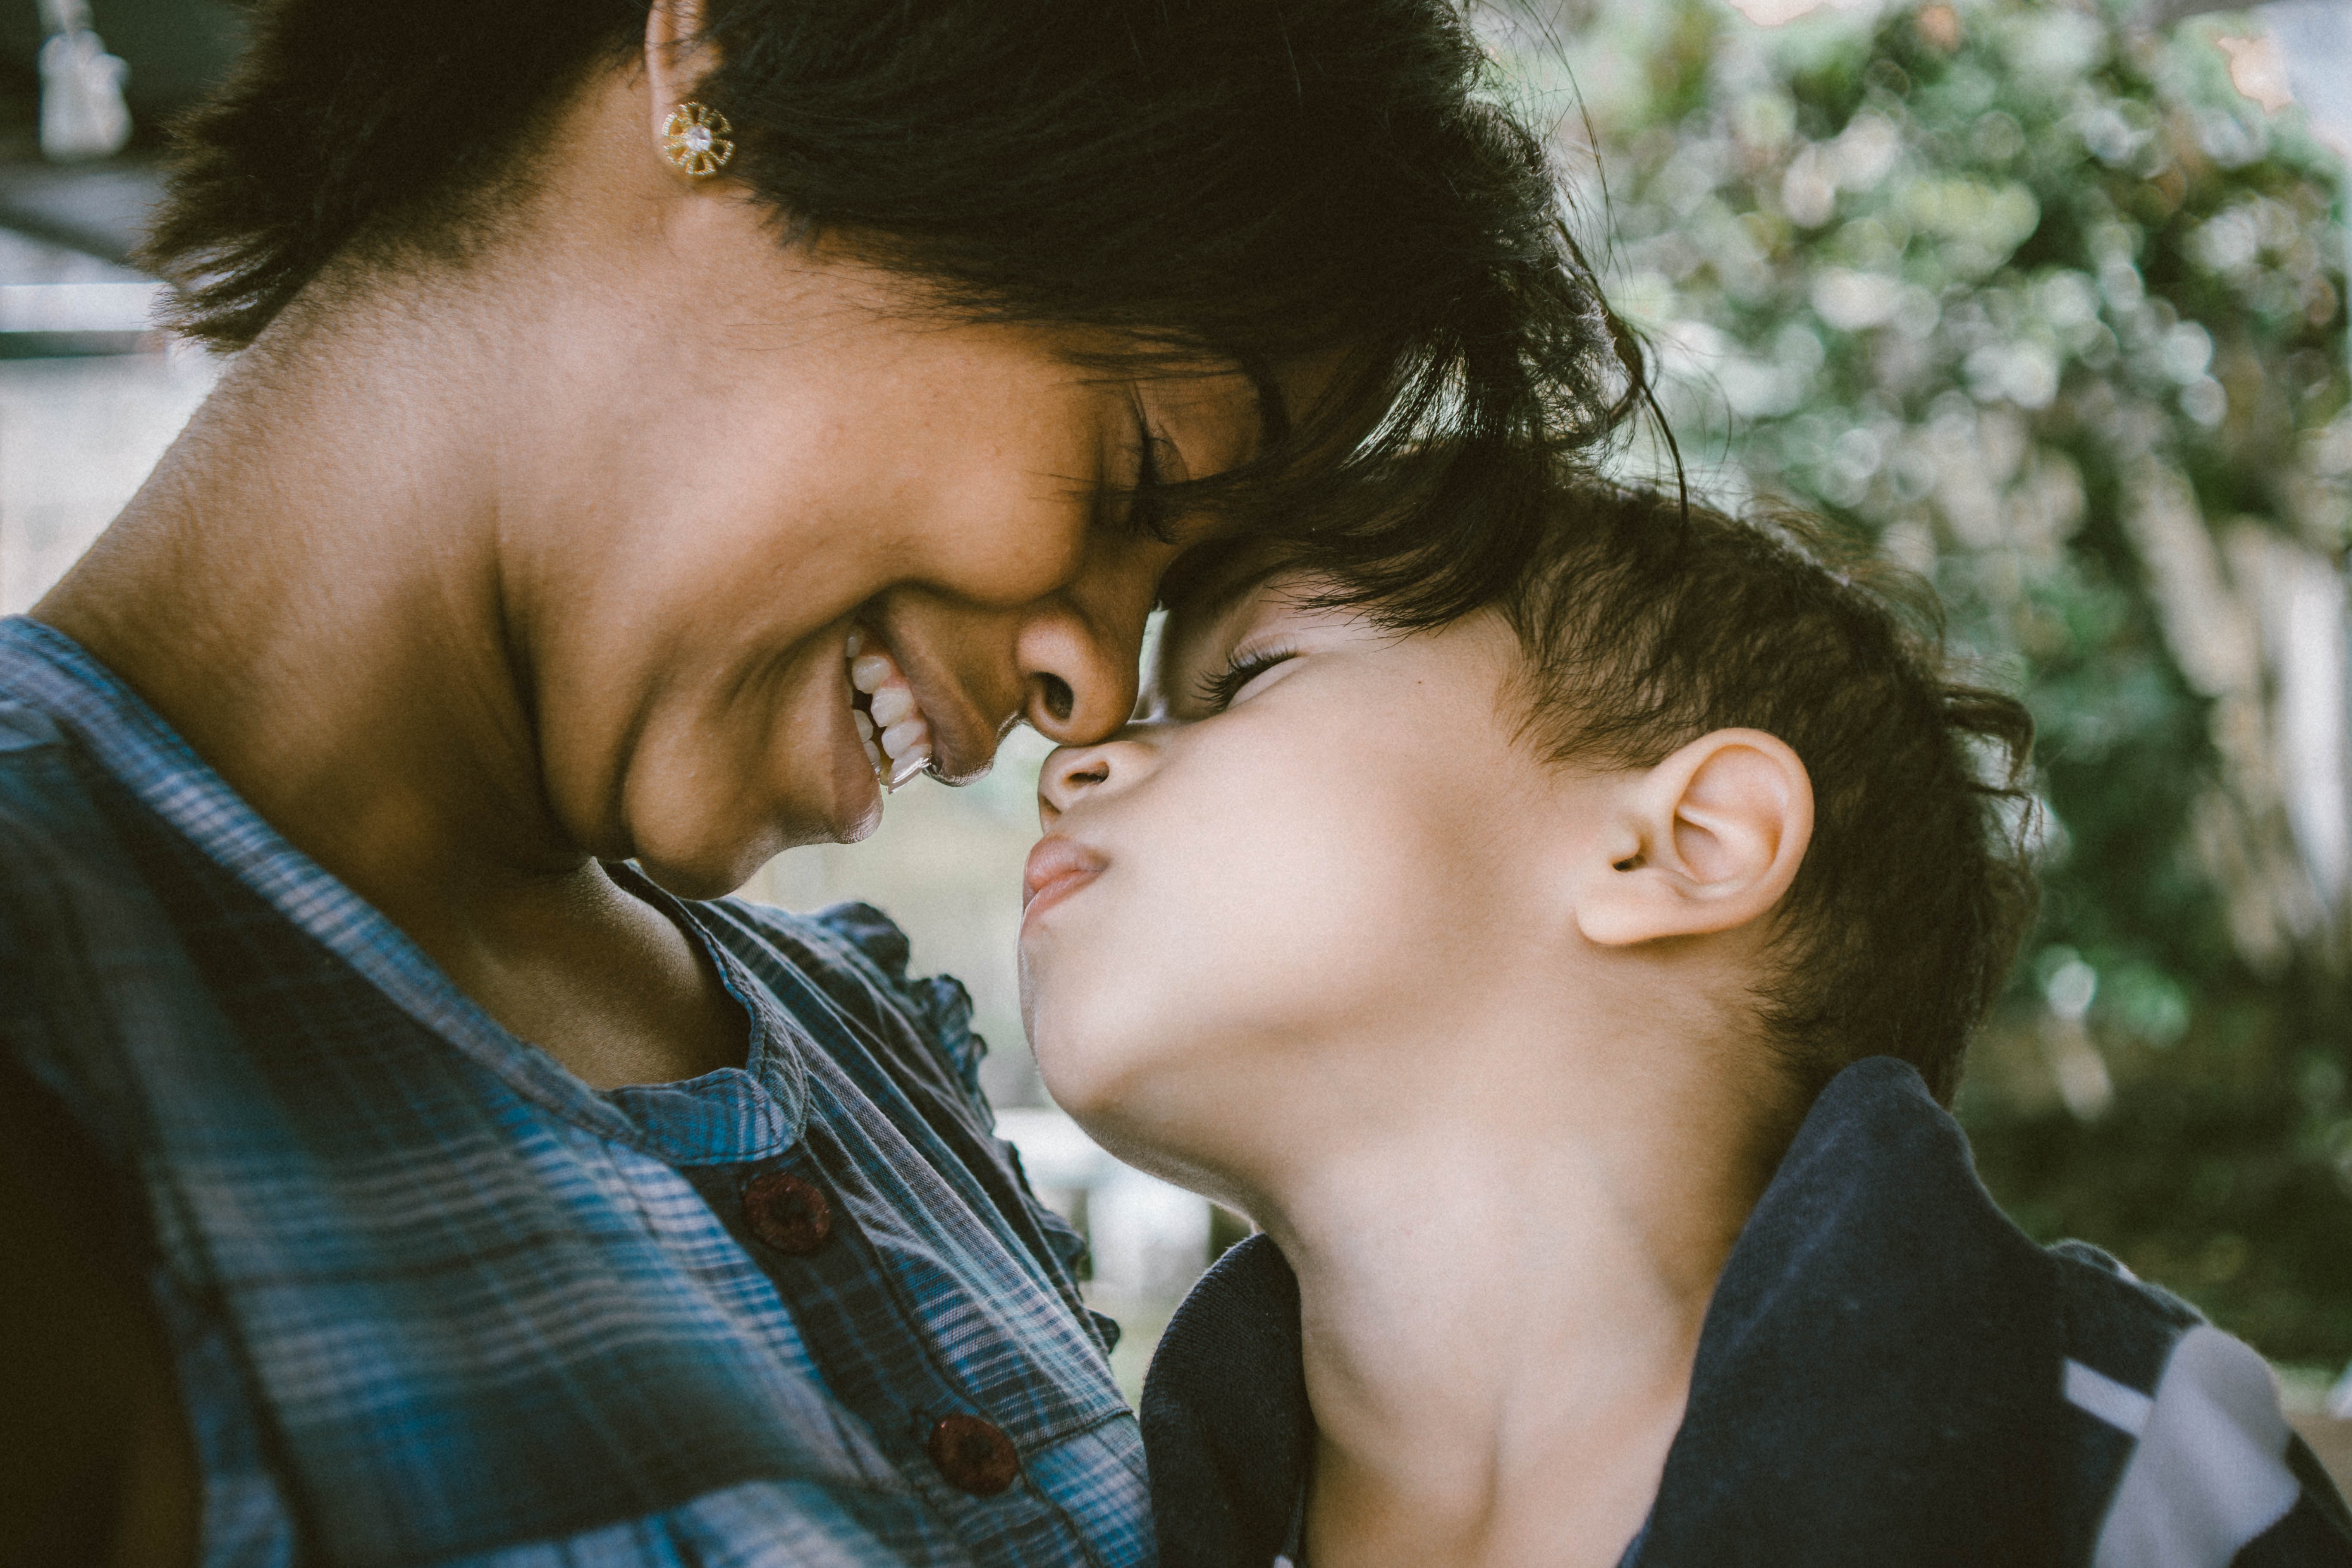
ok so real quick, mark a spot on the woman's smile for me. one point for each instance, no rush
(887, 714)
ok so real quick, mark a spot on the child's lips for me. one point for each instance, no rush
(1057, 867)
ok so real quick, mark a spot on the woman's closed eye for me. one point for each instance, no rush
(1147, 508)
(1219, 690)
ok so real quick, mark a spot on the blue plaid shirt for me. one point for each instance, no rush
(433, 1300)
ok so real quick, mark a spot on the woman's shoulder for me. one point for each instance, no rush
(89, 1405)
(70, 900)
(41, 793)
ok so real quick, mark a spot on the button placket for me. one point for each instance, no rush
(972, 1455)
(788, 1213)
(968, 1465)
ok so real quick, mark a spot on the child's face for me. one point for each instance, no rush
(1318, 842)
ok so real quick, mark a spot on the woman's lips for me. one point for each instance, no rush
(1057, 867)
(957, 746)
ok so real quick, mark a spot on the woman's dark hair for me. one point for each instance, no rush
(1645, 626)
(1258, 181)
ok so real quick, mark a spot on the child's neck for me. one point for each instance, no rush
(1501, 1305)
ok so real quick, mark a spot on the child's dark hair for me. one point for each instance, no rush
(1644, 629)
(1259, 182)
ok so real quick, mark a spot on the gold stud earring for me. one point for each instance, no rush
(696, 138)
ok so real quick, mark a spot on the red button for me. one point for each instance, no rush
(974, 1455)
(788, 1214)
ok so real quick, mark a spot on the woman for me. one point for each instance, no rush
(653, 434)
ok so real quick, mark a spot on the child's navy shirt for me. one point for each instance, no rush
(1890, 1372)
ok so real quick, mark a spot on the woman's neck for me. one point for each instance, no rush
(306, 588)
(1500, 1311)
(310, 590)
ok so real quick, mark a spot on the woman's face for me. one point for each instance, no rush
(797, 459)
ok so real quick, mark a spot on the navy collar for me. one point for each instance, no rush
(1877, 1380)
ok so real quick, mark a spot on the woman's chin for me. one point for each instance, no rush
(699, 877)
(710, 858)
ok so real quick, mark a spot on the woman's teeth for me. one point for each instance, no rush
(898, 741)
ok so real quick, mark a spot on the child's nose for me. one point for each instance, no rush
(1072, 772)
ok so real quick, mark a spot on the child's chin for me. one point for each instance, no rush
(1077, 1085)
(1140, 1089)
(1079, 1050)
(1121, 1114)
(1099, 1094)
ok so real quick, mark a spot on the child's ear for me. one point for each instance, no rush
(1706, 841)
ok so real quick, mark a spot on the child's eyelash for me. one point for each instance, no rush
(1217, 692)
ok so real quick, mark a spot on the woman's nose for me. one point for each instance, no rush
(1072, 773)
(1077, 652)
(1081, 684)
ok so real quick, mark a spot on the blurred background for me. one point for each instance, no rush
(2047, 301)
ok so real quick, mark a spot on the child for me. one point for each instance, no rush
(1573, 991)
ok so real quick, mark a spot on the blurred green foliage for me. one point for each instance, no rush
(2035, 300)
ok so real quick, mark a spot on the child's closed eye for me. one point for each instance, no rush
(1218, 691)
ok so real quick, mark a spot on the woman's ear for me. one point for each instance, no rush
(674, 60)
(1706, 841)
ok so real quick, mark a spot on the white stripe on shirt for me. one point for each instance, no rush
(2209, 1472)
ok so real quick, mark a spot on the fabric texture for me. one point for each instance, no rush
(1889, 1372)
(435, 1300)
